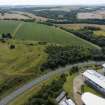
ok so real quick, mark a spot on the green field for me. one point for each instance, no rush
(40, 32)
(8, 26)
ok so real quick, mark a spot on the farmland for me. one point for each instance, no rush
(39, 32)
(23, 62)
(13, 16)
(80, 26)
(99, 33)
(98, 14)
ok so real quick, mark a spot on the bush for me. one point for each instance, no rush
(12, 46)
(61, 56)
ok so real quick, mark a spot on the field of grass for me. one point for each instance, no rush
(40, 32)
(21, 59)
(68, 86)
(8, 26)
(21, 62)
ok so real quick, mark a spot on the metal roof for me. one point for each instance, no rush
(103, 65)
(67, 102)
(96, 77)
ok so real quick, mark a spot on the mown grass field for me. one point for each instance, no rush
(40, 32)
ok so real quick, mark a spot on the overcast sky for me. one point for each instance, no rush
(51, 2)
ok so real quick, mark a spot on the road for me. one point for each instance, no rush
(36, 81)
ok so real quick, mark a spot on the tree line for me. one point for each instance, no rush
(63, 55)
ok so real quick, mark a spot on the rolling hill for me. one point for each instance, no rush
(40, 32)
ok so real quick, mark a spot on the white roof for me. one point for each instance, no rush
(91, 99)
(67, 102)
(103, 65)
(96, 77)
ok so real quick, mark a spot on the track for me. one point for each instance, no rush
(17, 28)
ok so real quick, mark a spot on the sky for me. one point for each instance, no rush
(51, 2)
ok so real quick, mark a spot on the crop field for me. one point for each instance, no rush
(99, 33)
(13, 16)
(40, 32)
(80, 26)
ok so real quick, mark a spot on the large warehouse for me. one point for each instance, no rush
(91, 99)
(95, 79)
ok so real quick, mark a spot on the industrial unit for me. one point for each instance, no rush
(95, 79)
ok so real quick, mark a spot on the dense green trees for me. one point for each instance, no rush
(61, 56)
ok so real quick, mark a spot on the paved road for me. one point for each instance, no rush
(29, 85)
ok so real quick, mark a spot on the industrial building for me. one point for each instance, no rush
(67, 102)
(63, 100)
(95, 79)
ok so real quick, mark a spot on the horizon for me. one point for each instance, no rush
(51, 2)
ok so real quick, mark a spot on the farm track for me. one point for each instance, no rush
(36, 81)
(17, 28)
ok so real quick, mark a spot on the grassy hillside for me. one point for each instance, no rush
(19, 64)
(40, 32)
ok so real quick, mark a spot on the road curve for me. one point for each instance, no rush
(29, 85)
